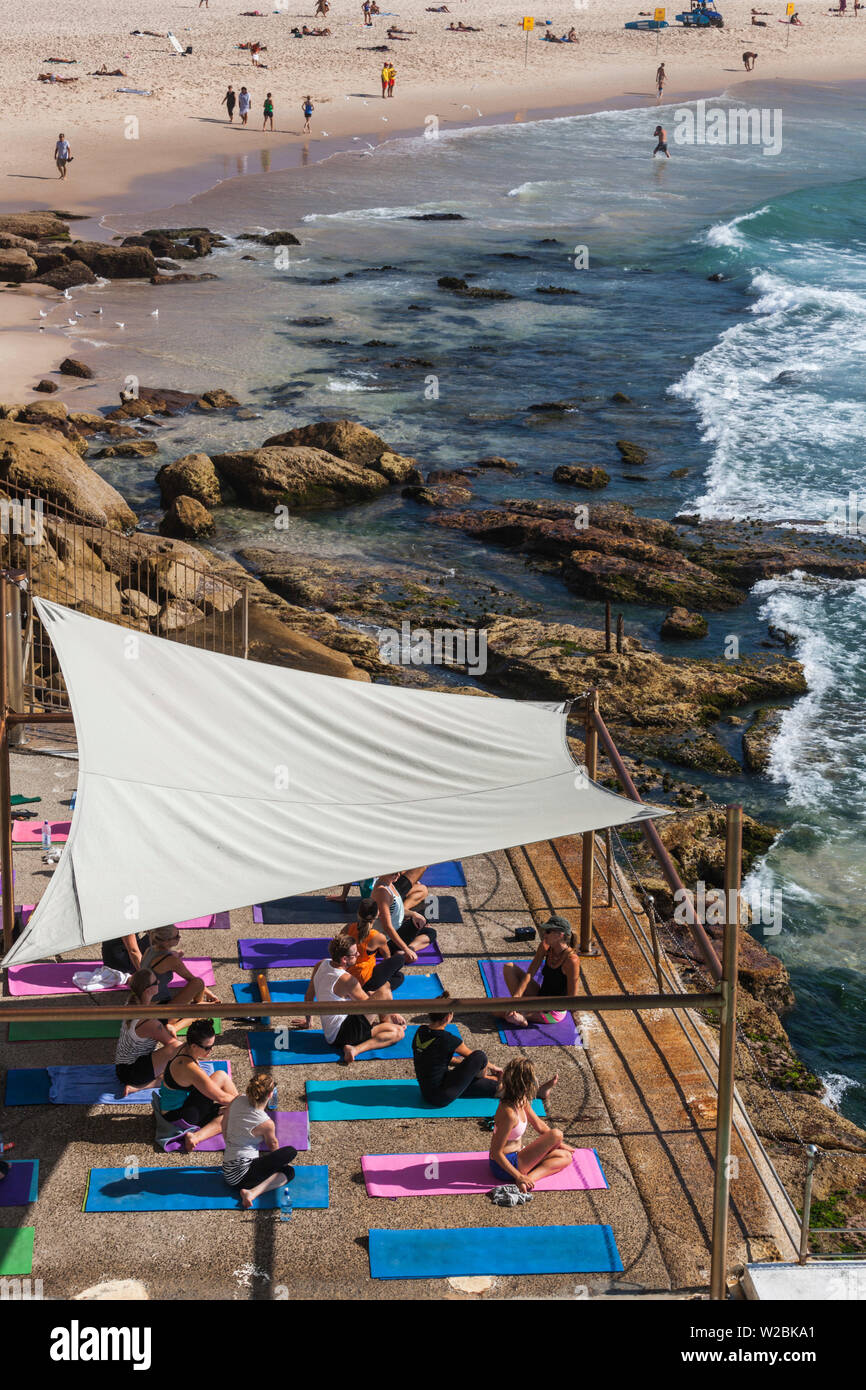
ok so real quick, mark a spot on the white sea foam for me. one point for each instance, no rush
(334, 385)
(835, 1086)
(728, 234)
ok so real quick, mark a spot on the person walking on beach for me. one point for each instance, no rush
(268, 110)
(661, 78)
(307, 108)
(392, 77)
(244, 104)
(63, 154)
(229, 101)
(368, 18)
(386, 71)
(662, 146)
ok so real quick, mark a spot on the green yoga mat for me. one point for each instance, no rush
(16, 1250)
(74, 1028)
(19, 800)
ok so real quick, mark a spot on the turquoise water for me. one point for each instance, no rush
(754, 386)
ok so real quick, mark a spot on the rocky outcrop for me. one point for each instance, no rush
(34, 226)
(458, 286)
(296, 477)
(345, 439)
(682, 626)
(193, 475)
(758, 738)
(114, 262)
(40, 459)
(129, 449)
(270, 238)
(16, 266)
(70, 366)
(574, 475)
(439, 494)
(187, 518)
(631, 453)
(67, 276)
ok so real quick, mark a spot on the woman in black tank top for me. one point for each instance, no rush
(560, 973)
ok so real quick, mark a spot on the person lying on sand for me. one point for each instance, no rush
(60, 60)
(571, 36)
(461, 28)
(396, 35)
(758, 23)
(437, 9)
(52, 77)
(146, 33)
(550, 38)
(254, 47)
(104, 72)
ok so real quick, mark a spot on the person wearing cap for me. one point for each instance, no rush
(560, 974)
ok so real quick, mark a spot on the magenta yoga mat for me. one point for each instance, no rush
(426, 1175)
(55, 977)
(29, 832)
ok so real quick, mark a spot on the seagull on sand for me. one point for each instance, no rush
(120, 325)
(43, 313)
(72, 322)
(66, 294)
(98, 311)
(154, 314)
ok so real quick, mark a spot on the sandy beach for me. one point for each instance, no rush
(120, 139)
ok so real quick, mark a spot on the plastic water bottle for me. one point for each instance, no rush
(46, 835)
(72, 800)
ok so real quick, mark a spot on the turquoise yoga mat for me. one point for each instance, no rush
(413, 987)
(438, 1253)
(194, 1189)
(307, 1045)
(386, 1100)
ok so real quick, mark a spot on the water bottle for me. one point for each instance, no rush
(46, 835)
(72, 800)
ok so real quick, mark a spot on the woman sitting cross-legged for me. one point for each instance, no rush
(445, 1067)
(560, 974)
(332, 983)
(547, 1153)
(245, 1123)
(407, 931)
(189, 1093)
(165, 958)
(374, 966)
(145, 1045)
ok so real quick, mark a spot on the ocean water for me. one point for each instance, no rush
(751, 390)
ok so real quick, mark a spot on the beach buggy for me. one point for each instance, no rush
(702, 14)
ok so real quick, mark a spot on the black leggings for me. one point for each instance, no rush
(387, 971)
(408, 932)
(464, 1079)
(278, 1161)
(196, 1110)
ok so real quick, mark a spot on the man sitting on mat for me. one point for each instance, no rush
(407, 931)
(354, 1033)
(560, 974)
(440, 1078)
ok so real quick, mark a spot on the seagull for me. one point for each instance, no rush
(43, 313)
(154, 314)
(66, 294)
(72, 322)
(98, 311)
(119, 325)
(78, 314)
(324, 132)
(384, 118)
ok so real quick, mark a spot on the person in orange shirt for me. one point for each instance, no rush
(386, 73)
(374, 966)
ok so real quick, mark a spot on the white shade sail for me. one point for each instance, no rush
(208, 783)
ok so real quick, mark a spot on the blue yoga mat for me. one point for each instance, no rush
(75, 1086)
(448, 874)
(438, 1253)
(387, 1100)
(193, 1189)
(20, 1187)
(413, 987)
(317, 911)
(308, 1045)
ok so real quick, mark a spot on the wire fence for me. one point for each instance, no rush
(139, 580)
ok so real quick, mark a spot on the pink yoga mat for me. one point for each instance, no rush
(29, 832)
(439, 1175)
(55, 977)
(213, 919)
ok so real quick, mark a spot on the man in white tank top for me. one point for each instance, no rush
(354, 1034)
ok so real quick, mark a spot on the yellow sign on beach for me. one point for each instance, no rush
(528, 22)
(790, 7)
(658, 16)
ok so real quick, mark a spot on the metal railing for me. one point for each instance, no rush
(139, 580)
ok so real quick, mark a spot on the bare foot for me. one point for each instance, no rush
(188, 1143)
(515, 1020)
(127, 1091)
(336, 898)
(348, 1055)
(545, 1090)
(246, 1199)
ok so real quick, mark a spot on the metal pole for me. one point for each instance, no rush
(651, 913)
(246, 622)
(608, 846)
(607, 627)
(727, 1052)
(588, 865)
(8, 906)
(619, 633)
(811, 1154)
(15, 653)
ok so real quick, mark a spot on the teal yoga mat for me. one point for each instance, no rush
(307, 1045)
(32, 1086)
(413, 987)
(386, 1100)
(438, 1253)
(194, 1189)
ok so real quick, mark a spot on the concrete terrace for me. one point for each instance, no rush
(641, 1092)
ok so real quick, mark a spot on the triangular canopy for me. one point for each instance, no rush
(207, 783)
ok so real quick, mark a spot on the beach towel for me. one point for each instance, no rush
(387, 1100)
(564, 1033)
(56, 977)
(317, 911)
(307, 1046)
(424, 1175)
(20, 1186)
(305, 952)
(438, 1254)
(194, 1189)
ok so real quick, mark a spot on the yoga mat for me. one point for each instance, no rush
(20, 1187)
(414, 1175)
(540, 1035)
(55, 977)
(16, 1250)
(89, 1086)
(413, 987)
(299, 912)
(220, 920)
(436, 1254)
(308, 1045)
(76, 1028)
(292, 1126)
(193, 1189)
(19, 800)
(272, 953)
(29, 832)
(446, 875)
(387, 1100)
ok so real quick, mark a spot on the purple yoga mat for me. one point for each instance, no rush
(293, 1127)
(270, 953)
(17, 1187)
(542, 1035)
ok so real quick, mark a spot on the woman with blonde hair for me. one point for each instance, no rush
(247, 1124)
(165, 958)
(544, 1155)
(145, 1045)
